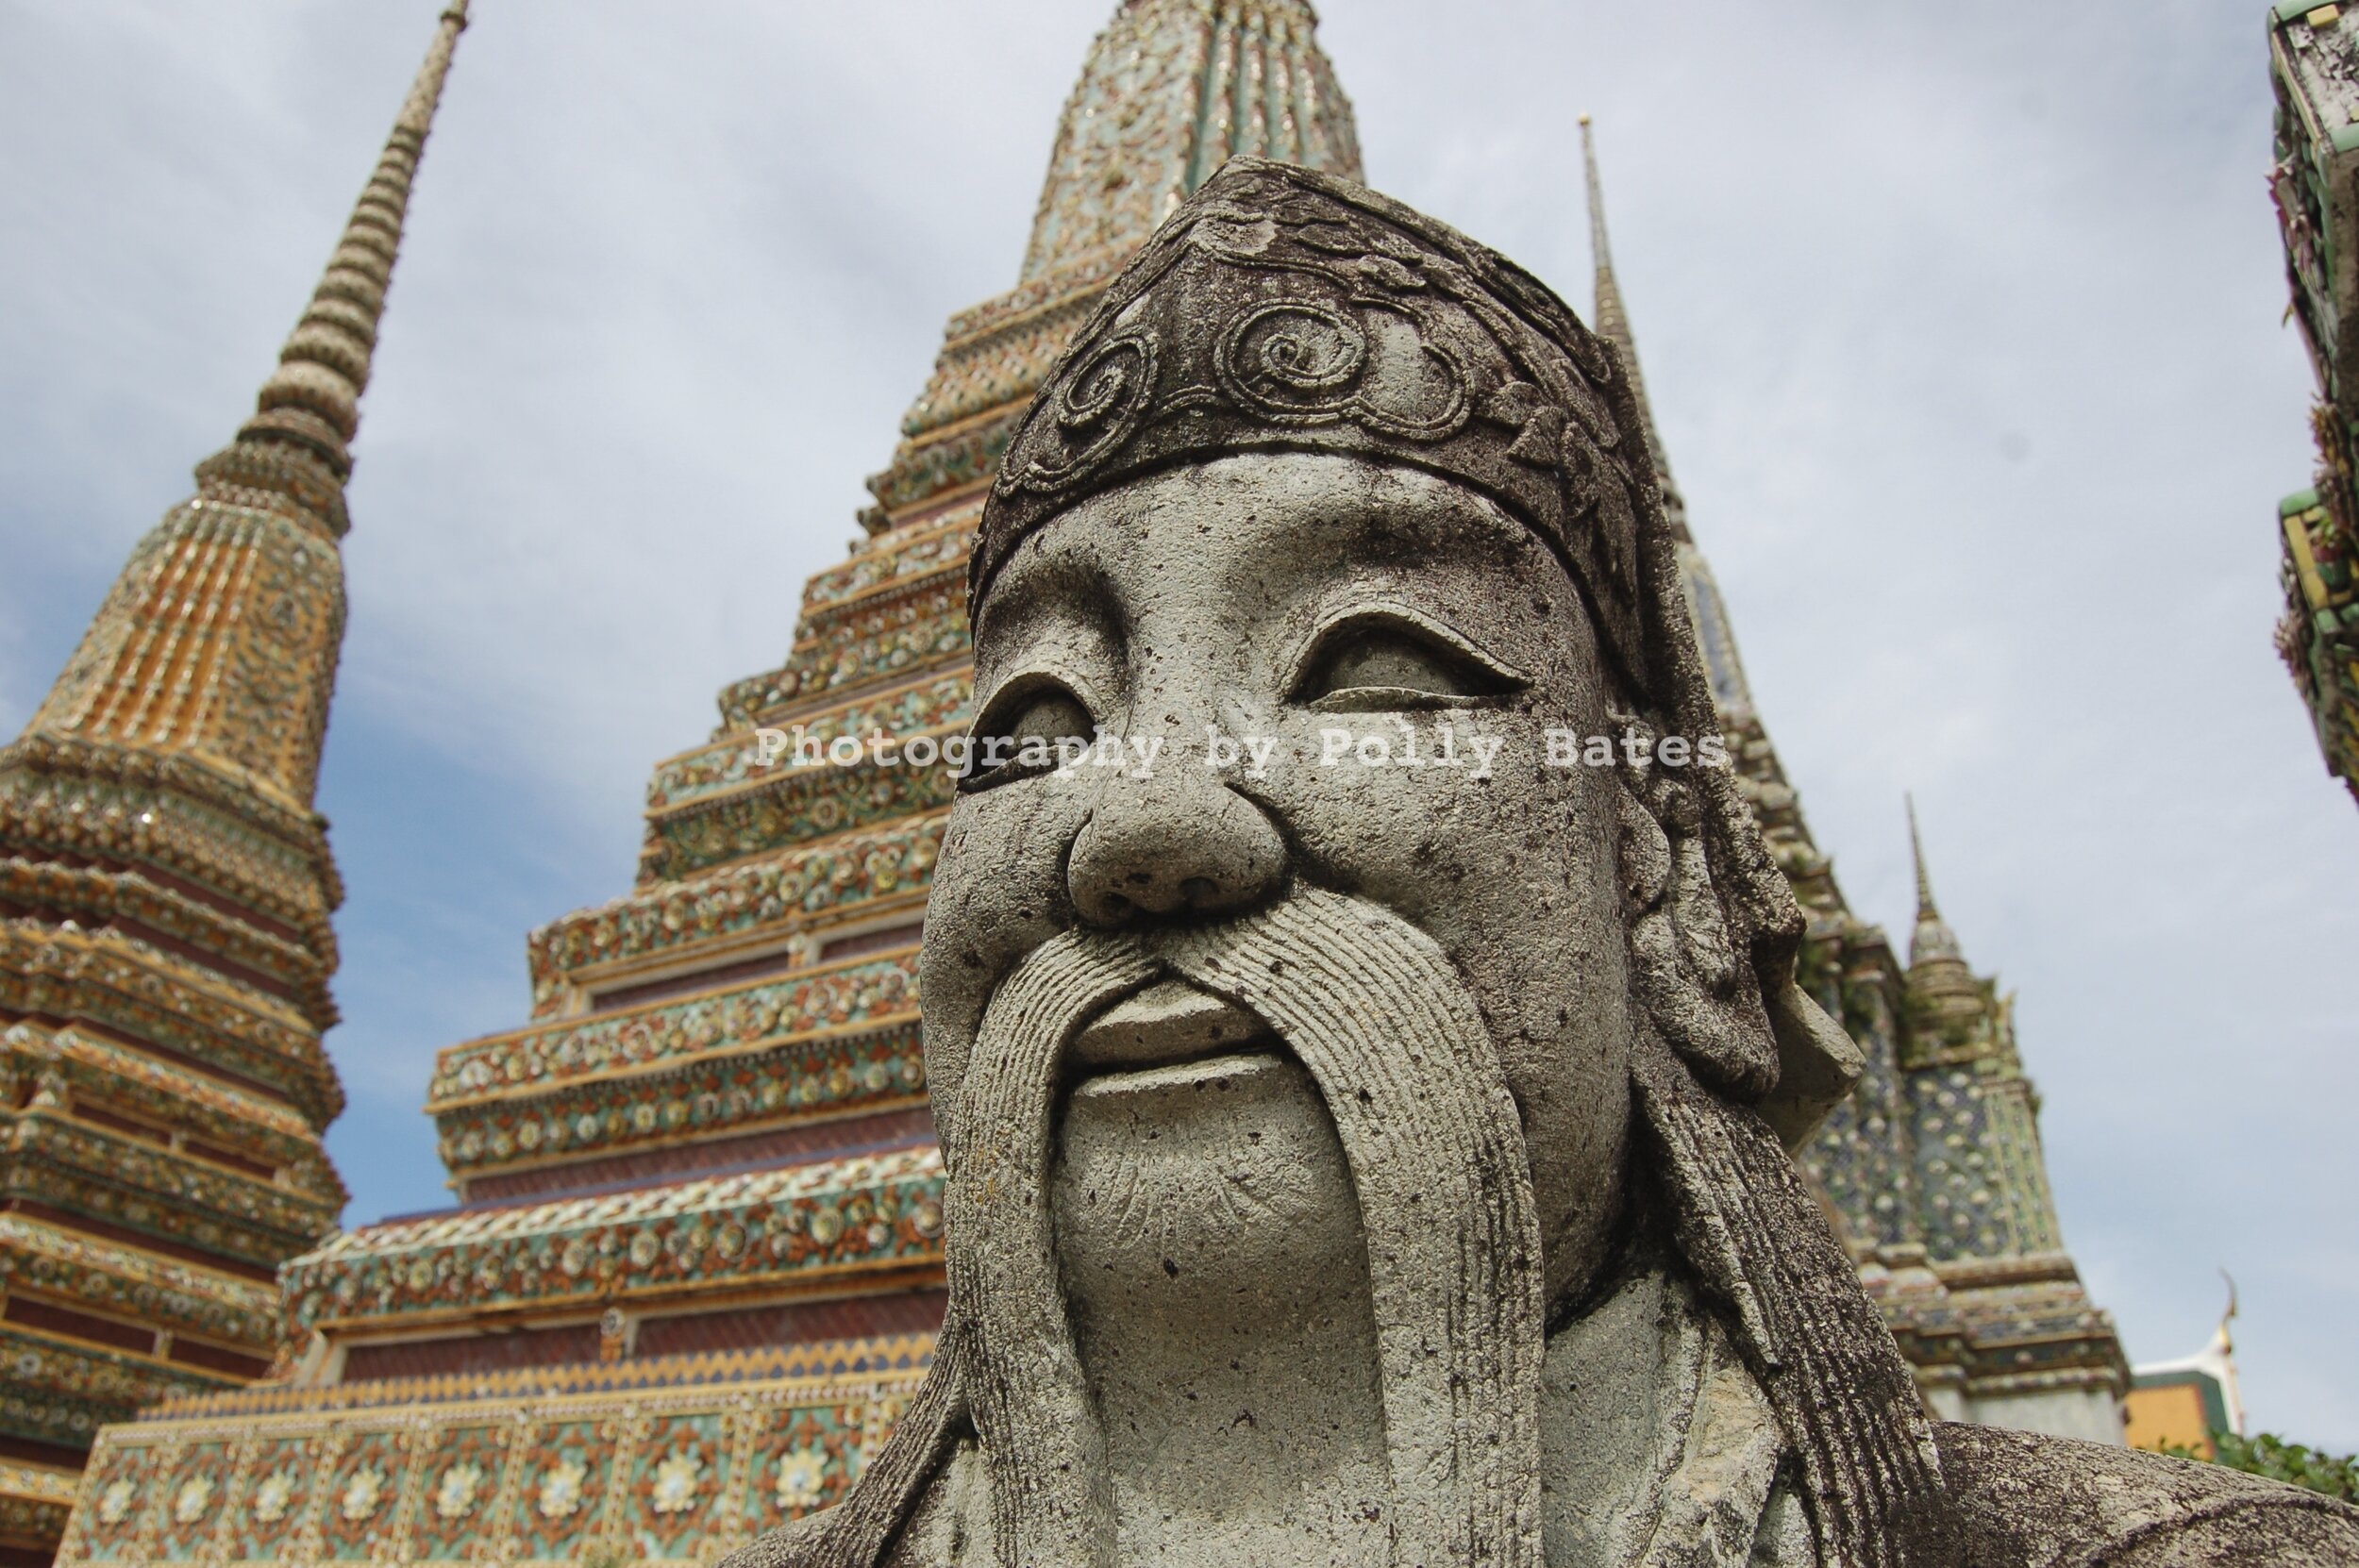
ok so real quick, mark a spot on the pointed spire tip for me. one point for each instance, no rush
(314, 398)
(1925, 908)
(1613, 324)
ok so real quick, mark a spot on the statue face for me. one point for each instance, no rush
(1274, 600)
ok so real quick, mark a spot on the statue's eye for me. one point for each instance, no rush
(1387, 662)
(1017, 735)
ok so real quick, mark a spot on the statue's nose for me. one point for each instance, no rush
(1179, 844)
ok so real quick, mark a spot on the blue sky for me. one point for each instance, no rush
(1963, 326)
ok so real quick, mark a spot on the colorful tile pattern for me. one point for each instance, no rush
(773, 897)
(35, 1500)
(127, 1181)
(909, 553)
(867, 991)
(114, 1276)
(903, 631)
(800, 804)
(189, 1500)
(461, 1479)
(745, 1091)
(730, 764)
(676, 1474)
(279, 1476)
(865, 1213)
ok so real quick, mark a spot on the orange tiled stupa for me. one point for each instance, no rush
(165, 888)
(695, 1264)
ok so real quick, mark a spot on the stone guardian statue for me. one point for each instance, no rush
(1367, 1113)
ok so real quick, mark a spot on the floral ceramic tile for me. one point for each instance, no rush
(678, 1479)
(279, 1484)
(190, 1499)
(561, 1488)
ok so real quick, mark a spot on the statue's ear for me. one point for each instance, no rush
(1753, 1037)
(1817, 1064)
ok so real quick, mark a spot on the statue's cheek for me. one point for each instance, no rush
(999, 890)
(1432, 817)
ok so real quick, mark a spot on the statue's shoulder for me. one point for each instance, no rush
(2043, 1501)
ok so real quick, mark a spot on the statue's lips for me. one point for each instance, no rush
(1170, 1024)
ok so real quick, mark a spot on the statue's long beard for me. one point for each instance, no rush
(1410, 1077)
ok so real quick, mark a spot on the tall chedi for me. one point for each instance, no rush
(165, 888)
(1933, 1165)
(696, 1258)
(694, 1265)
(1984, 1194)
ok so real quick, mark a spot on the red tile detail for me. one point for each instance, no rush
(64, 1320)
(480, 1353)
(214, 1358)
(779, 1146)
(871, 941)
(750, 1327)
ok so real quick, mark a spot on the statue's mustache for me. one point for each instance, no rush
(1394, 1040)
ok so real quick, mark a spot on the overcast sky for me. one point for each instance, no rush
(1962, 322)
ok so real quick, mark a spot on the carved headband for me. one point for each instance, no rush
(1279, 309)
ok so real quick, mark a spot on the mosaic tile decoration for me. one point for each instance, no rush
(797, 806)
(911, 553)
(881, 1357)
(117, 1277)
(742, 903)
(869, 990)
(930, 706)
(676, 1474)
(778, 1084)
(863, 1214)
(165, 957)
(34, 1502)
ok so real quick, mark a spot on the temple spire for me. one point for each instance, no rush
(166, 959)
(1171, 91)
(1934, 941)
(312, 400)
(1613, 324)
(220, 640)
(1925, 908)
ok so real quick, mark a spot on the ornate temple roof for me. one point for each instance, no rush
(1613, 324)
(1932, 943)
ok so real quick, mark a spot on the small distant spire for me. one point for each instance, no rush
(312, 400)
(1933, 940)
(1613, 324)
(1925, 909)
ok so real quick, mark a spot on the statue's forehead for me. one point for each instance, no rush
(1276, 520)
